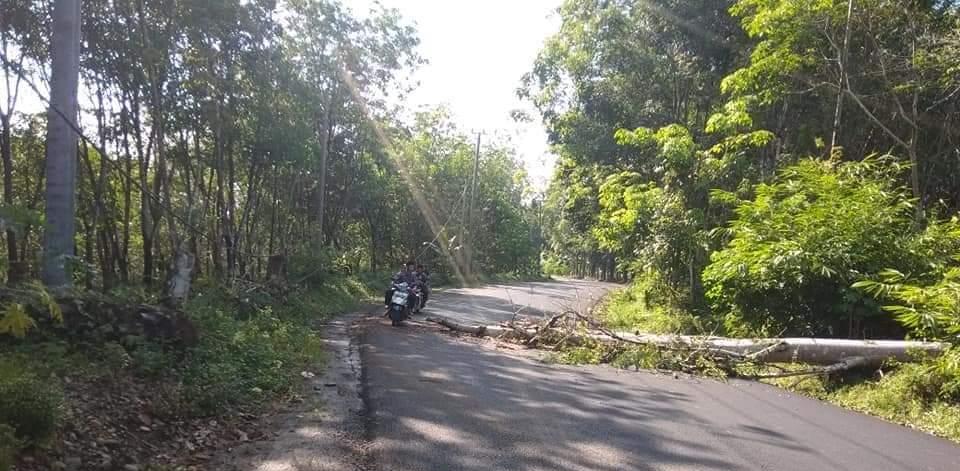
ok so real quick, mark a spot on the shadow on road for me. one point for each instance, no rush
(440, 403)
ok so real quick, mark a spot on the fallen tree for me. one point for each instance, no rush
(559, 330)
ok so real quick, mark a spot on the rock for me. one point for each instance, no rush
(131, 467)
(73, 462)
(59, 465)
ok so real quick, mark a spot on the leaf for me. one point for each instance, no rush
(53, 307)
(16, 321)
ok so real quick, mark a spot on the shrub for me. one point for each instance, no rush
(241, 362)
(9, 446)
(650, 305)
(32, 407)
(924, 395)
(799, 245)
(928, 309)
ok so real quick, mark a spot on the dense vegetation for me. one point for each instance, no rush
(765, 168)
(260, 148)
(755, 158)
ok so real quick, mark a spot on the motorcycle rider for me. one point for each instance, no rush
(406, 275)
(423, 277)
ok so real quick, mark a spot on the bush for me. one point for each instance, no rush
(930, 309)
(244, 359)
(9, 446)
(650, 305)
(32, 407)
(800, 244)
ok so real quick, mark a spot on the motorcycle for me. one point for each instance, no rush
(401, 308)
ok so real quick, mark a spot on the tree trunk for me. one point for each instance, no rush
(181, 272)
(15, 269)
(324, 137)
(277, 269)
(787, 350)
(842, 65)
(58, 244)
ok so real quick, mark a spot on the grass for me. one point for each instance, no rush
(902, 395)
(649, 305)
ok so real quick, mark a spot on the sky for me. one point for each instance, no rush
(477, 53)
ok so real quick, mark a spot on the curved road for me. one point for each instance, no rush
(438, 402)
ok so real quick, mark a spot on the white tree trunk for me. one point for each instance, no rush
(786, 350)
(58, 244)
(178, 283)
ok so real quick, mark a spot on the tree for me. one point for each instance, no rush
(62, 128)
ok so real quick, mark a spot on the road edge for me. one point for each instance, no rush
(328, 430)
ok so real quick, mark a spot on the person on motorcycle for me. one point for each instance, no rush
(423, 277)
(406, 275)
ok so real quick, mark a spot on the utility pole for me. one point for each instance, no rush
(469, 222)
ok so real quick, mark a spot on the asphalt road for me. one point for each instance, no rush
(499, 302)
(437, 402)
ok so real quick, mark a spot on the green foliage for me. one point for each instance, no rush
(640, 357)
(928, 310)
(584, 355)
(797, 247)
(16, 320)
(9, 446)
(650, 305)
(253, 344)
(246, 360)
(30, 405)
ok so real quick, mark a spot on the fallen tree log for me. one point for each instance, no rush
(814, 351)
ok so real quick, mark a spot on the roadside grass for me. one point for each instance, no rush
(902, 394)
(649, 305)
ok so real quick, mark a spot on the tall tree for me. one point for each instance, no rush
(58, 243)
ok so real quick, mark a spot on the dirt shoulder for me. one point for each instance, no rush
(324, 430)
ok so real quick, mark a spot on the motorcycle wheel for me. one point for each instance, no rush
(397, 315)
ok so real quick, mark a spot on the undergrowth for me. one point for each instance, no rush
(253, 343)
(650, 305)
(922, 395)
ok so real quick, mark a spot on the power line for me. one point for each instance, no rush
(453, 212)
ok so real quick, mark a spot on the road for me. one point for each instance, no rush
(499, 302)
(438, 402)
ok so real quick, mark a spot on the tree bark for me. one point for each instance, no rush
(181, 273)
(786, 350)
(15, 267)
(58, 244)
